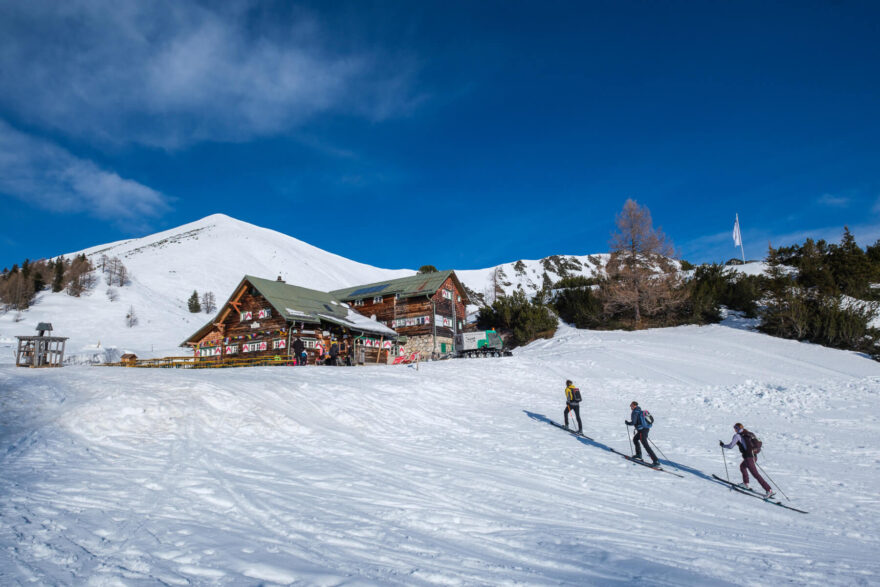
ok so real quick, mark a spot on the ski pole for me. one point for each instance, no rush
(724, 456)
(660, 451)
(632, 452)
(771, 480)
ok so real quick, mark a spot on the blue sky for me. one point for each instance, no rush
(460, 134)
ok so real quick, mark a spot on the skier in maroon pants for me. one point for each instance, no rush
(747, 444)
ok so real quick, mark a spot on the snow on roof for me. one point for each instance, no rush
(362, 323)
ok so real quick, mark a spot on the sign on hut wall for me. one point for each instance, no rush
(258, 315)
(375, 343)
(211, 351)
(442, 320)
(252, 347)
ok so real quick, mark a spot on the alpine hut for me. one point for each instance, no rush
(428, 309)
(263, 318)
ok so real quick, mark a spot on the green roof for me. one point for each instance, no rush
(301, 304)
(415, 285)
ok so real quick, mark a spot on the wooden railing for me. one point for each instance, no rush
(203, 363)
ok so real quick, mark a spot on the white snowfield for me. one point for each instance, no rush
(445, 475)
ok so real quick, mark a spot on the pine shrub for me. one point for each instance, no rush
(523, 319)
(193, 303)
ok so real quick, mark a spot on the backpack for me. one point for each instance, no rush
(648, 418)
(575, 395)
(753, 443)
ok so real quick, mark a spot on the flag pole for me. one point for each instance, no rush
(739, 232)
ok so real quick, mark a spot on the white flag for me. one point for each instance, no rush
(737, 237)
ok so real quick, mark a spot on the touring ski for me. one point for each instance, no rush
(569, 430)
(644, 464)
(754, 493)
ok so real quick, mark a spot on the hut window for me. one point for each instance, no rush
(377, 299)
(359, 303)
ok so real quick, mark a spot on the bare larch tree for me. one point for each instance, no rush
(642, 277)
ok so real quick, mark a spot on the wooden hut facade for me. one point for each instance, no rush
(428, 309)
(263, 318)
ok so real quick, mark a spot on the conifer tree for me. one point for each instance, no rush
(194, 306)
(814, 270)
(851, 267)
(58, 277)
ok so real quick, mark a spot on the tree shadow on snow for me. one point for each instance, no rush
(589, 442)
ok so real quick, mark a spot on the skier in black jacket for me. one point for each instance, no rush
(298, 348)
(637, 419)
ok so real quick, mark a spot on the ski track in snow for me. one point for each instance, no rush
(446, 475)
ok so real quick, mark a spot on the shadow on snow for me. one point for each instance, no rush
(594, 443)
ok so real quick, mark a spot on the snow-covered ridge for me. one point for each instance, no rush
(530, 276)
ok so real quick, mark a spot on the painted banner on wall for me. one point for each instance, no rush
(443, 321)
(252, 347)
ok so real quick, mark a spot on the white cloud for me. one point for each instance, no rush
(834, 201)
(49, 177)
(168, 73)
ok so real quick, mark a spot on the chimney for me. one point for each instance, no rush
(280, 280)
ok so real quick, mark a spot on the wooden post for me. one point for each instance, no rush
(379, 354)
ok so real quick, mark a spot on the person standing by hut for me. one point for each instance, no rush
(345, 350)
(334, 353)
(298, 349)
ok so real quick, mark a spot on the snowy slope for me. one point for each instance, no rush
(448, 474)
(213, 254)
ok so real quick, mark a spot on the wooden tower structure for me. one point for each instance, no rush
(40, 350)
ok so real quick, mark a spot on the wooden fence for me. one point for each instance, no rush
(202, 363)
